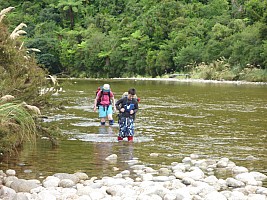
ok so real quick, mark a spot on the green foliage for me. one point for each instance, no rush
(148, 38)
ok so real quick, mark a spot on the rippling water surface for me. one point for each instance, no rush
(175, 119)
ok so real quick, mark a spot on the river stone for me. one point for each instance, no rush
(149, 170)
(115, 190)
(146, 177)
(22, 185)
(231, 182)
(187, 160)
(211, 180)
(183, 193)
(72, 177)
(196, 173)
(258, 176)
(51, 181)
(46, 195)
(239, 170)
(10, 172)
(112, 157)
(222, 163)
(179, 175)
(236, 195)
(81, 175)
(215, 195)
(66, 183)
(96, 194)
(164, 171)
(256, 197)
(20, 196)
(180, 167)
(161, 178)
(138, 167)
(247, 178)
(8, 180)
(6, 192)
(170, 196)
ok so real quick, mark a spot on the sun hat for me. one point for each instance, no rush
(106, 87)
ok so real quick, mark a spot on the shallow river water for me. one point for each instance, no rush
(175, 119)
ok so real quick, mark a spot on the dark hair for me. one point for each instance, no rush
(132, 91)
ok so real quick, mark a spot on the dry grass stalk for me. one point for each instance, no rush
(4, 11)
(34, 49)
(34, 109)
(7, 98)
(17, 31)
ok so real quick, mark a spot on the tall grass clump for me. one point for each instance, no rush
(222, 70)
(19, 73)
(22, 79)
(16, 126)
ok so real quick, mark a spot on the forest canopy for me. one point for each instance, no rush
(125, 38)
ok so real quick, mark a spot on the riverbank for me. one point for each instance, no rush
(191, 179)
(189, 80)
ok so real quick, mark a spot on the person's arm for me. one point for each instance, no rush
(95, 103)
(119, 104)
(113, 102)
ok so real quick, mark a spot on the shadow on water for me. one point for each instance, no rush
(175, 119)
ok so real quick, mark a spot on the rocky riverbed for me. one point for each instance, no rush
(192, 179)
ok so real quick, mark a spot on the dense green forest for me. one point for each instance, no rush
(211, 39)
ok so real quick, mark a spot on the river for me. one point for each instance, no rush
(175, 119)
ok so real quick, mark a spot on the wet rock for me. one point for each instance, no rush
(81, 175)
(21, 185)
(112, 157)
(66, 183)
(223, 162)
(10, 172)
(72, 177)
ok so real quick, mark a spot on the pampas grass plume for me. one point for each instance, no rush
(4, 11)
(17, 31)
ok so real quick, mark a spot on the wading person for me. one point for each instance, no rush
(103, 101)
(127, 106)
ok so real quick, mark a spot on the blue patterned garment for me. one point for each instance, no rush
(126, 127)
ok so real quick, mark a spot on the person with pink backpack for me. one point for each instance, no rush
(103, 101)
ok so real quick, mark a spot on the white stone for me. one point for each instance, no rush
(258, 176)
(146, 177)
(51, 181)
(215, 196)
(46, 195)
(256, 197)
(247, 178)
(196, 174)
(231, 182)
(112, 157)
(239, 170)
(66, 183)
(81, 175)
(10, 172)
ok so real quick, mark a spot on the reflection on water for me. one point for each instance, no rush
(174, 120)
